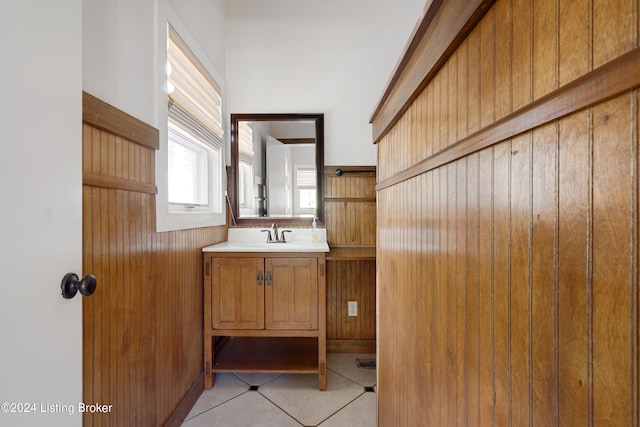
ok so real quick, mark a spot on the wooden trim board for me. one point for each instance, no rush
(101, 115)
(606, 82)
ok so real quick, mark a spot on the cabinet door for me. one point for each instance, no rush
(237, 293)
(291, 293)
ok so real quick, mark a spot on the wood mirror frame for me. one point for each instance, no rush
(234, 168)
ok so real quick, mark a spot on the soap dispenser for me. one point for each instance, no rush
(314, 231)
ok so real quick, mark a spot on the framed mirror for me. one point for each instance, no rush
(277, 163)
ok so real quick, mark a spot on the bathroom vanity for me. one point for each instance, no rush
(265, 305)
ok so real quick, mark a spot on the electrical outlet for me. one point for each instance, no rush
(353, 308)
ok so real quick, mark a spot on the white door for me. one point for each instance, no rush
(40, 212)
(278, 178)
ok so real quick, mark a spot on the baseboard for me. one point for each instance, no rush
(177, 418)
(351, 346)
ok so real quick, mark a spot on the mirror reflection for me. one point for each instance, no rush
(277, 162)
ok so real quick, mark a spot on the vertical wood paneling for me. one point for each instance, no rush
(438, 284)
(619, 21)
(461, 269)
(141, 334)
(444, 120)
(351, 186)
(422, 356)
(520, 206)
(521, 66)
(429, 118)
(437, 113)
(386, 354)
(415, 356)
(503, 59)
(574, 39)
(453, 100)
(350, 224)
(429, 292)
(473, 76)
(612, 364)
(463, 90)
(351, 281)
(412, 138)
(451, 294)
(573, 251)
(518, 263)
(487, 69)
(545, 47)
(474, 332)
(543, 286)
(485, 282)
(501, 284)
(634, 290)
(350, 215)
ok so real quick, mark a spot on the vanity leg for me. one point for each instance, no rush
(322, 324)
(322, 364)
(208, 361)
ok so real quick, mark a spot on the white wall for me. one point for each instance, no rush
(119, 55)
(205, 20)
(332, 56)
(122, 43)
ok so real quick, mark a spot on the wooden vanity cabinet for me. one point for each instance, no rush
(266, 313)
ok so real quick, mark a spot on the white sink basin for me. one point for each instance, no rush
(254, 240)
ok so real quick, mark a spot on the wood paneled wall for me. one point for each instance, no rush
(142, 329)
(350, 213)
(508, 275)
(351, 280)
(350, 207)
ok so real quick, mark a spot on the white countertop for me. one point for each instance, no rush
(254, 240)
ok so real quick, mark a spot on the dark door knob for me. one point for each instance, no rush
(71, 285)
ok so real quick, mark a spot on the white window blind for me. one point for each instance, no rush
(245, 142)
(305, 189)
(191, 88)
(195, 131)
(306, 177)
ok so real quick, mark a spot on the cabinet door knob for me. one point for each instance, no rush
(260, 278)
(268, 277)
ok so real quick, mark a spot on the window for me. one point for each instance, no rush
(305, 189)
(194, 147)
(189, 161)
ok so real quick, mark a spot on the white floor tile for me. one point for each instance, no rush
(247, 410)
(298, 395)
(226, 387)
(291, 400)
(345, 364)
(360, 413)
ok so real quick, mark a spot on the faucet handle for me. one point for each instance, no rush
(283, 239)
(269, 239)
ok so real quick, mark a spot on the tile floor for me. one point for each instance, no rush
(283, 400)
